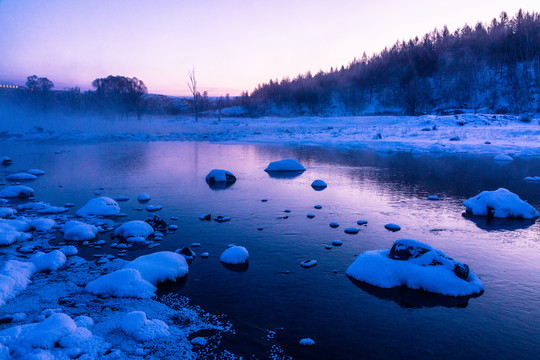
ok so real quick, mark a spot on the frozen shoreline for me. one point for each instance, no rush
(430, 133)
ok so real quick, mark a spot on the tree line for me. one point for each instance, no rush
(491, 67)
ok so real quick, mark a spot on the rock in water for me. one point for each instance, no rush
(285, 165)
(318, 185)
(218, 175)
(156, 222)
(392, 227)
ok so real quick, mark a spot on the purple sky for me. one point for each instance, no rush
(233, 45)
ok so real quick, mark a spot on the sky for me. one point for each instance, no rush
(233, 45)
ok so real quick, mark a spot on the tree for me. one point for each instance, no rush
(40, 88)
(192, 84)
(120, 94)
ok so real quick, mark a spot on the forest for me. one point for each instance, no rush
(491, 68)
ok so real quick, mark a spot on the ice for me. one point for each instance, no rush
(42, 224)
(122, 283)
(19, 191)
(500, 203)
(285, 165)
(36, 172)
(102, 206)
(160, 266)
(51, 261)
(21, 177)
(7, 212)
(532, 178)
(79, 231)
(135, 228)
(234, 255)
(218, 175)
(318, 185)
(422, 268)
(142, 329)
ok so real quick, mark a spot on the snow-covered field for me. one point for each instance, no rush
(475, 133)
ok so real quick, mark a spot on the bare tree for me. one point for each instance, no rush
(192, 84)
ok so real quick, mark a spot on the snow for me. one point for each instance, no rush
(142, 329)
(69, 250)
(218, 175)
(122, 283)
(20, 191)
(21, 177)
(7, 212)
(160, 266)
(500, 203)
(102, 206)
(134, 228)
(35, 172)
(318, 185)
(234, 255)
(42, 224)
(285, 165)
(418, 272)
(51, 261)
(42, 208)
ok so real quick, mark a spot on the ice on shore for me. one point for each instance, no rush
(19, 191)
(14, 277)
(101, 206)
(417, 266)
(285, 165)
(500, 203)
(234, 255)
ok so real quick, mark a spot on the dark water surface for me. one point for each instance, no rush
(347, 320)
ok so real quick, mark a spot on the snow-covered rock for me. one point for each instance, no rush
(417, 266)
(6, 160)
(143, 197)
(318, 185)
(351, 230)
(36, 172)
(51, 261)
(153, 207)
(101, 206)
(334, 224)
(7, 212)
(503, 157)
(160, 266)
(308, 263)
(42, 208)
(337, 242)
(532, 178)
(500, 203)
(79, 231)
(42, 224)
(69, 250)
(285, 165)
(19, 191)
(234, 255)
(433, 197)
(187, 253)
(218, 175)
(307, 342)
(142, 329)
(14, 278)
(392, 227)
(135, 228)
(122, 283)
(21, 177)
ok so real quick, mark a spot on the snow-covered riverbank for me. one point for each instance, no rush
(472, 133)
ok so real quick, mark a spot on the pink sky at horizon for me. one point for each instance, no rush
(232, 45)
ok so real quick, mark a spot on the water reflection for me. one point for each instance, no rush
(239, 268)
(498, 224)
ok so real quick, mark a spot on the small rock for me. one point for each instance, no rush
(337, 242)
(362, 222)
(308, 263)
(392, 227)
(318, 206)
(334, 225)
(351, 230)
(310, 216)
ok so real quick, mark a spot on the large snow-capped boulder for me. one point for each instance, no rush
(21, 177)
(160, 266)
(220, 176)
(79, 231)
(285, 165)
(135, 228)
(122, 283)
(500, 203)
(101, 206)
(417, 266)
(234, 255)
(19, 191)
